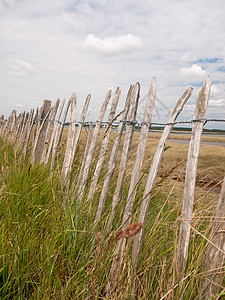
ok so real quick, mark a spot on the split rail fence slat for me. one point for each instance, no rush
(38, 135)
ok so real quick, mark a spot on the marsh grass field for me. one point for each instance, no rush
(48, 247)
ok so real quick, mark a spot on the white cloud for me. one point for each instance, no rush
(113, 45)
(4, 4)
(190, 107)
(217, 103)
(20, 68)
(188, 57)
(217, 90)
(195, 71)
(52, 40)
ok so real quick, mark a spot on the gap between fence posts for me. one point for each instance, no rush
(137, 245)
(121, 244)
(190, 177)
(113, 156)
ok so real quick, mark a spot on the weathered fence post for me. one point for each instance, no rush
(12, 125)
(104, 144)
(40, 137)
(87, 146)
(131, 118)
(190, 177)
(55, 130)
(153, 173)
(93, 142)
(215, 255)
(71, 134)
(49, 127)
(134, 179)
(29, 129)
(58, 135)
(113, 156)
(19, 125)
(67, 169)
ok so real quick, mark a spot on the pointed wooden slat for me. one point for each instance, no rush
(190, 176)
(153, 173)
(93, 143)
(49, 127)
(215, 255)
(113, 156)
(41, 133)
(58, 135)
(104, 144)
(120, 247)
(87, 147)
(55, 130)
(131, 118)
(67, 170)
(71, 134)
(29, 130)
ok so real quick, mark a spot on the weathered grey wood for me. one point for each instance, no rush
(104, 144)
(2, 124)
(93, 142)
(49, 126)
(40, 137)
(190, 176)
(55, 130)
(131, 118)
(23, 127)
(68, 168)
(153, 172)
(58, 135)
(215, 255)
(19, 126)
(71, 134)
(88, 143)
(120, 247)
(36, 124)
(7, 127)
(113, 156)
(29, 130)
(22, 133)
(12, 125)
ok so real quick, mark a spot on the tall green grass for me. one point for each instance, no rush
(48, 240)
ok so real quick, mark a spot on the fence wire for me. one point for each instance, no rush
(126, 122)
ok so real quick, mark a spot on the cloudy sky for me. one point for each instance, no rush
(49, 49)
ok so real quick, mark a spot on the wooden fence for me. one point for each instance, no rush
(38, 133)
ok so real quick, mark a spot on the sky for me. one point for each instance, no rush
(50, 49)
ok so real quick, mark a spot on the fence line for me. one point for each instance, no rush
(39, 134)
(136, 123)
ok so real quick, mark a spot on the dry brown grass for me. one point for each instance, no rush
(211, 164)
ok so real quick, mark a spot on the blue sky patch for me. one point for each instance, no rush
(221, 69)
(210, 60)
